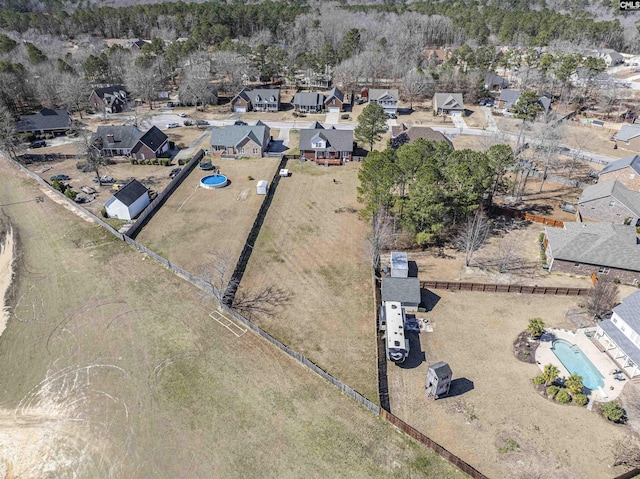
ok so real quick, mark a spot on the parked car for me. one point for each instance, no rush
(38, 144)
(360, 101)
(182, 115)
(175, 172)
(240, 123)
(202, 122)
(482, 103)
(59, 177)
(170, 104)
(173, 125)
(393, 116)
(103, 179)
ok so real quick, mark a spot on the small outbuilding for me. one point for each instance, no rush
(128, 202)
(438, 380)
(262, 187)
(399, 265)
(405, 291)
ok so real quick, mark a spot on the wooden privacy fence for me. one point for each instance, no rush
(629, 475)
(527, 216)
(503, 288)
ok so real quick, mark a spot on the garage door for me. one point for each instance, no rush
(241, 109)
(456, 113)
(334, 110)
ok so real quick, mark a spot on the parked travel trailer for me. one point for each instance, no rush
(396, 343)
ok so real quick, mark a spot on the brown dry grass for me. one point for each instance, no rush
(196, 224)
(119, 372)
(476, 118)
(474, 333)
(320, 257)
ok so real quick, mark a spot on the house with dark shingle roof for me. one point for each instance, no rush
(45, 121)
(326, 146)
(620, 335)
(259, 99)
(111, 99)
(628, 137)
(494, 82)
(333, 100)
(308, 102)
(448, 104)
(507, 99)
(403, 290)
(609, 202)
(402, 134)
(625, 170)
(594, 248)
(128, 202)
(387, 99)
(236, 141)
(130, 141)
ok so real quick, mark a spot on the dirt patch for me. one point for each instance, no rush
(524, 348)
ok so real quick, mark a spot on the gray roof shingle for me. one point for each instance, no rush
(632, 161)
(334, 92)
(629, 198)
(377, 93)
(441, 369)
(627, 132)
(621, 340)
(131, 192)
(308, 99)
(510, 96)
(46, 119)
(124, 137)
(629, 311)
(404, 290)
(601, 244)
(449, 101)
(337, 140)
(233, 135)
(154, 138)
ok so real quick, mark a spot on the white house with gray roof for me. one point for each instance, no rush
(387, 99)
(236, 141)
(609, 202)
(594, 248)
(326, 146)
(620, 335)
(259, 99)
(628, 137)
(448, 104)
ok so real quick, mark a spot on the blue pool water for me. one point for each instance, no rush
(214, 181)
(574, 360)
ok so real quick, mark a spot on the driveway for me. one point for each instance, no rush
(459, 122)
(491, 122)
(332, 118)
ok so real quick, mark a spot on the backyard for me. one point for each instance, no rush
(313, 245)
(112, 368)
(196, 225)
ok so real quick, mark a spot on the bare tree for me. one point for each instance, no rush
(380, 236)
(232, 70)
(8, 140)
(602, 297)
(626, 452)
(473, 234)
(545, 143)
(416, 83)
(144, 83)
(195, 87)
(92, 150)
(74, 92)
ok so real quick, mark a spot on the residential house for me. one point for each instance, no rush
(594, 248)
(317, 80)
(308, 102)
(584, 76)
(138, 44)
(401, 134)
(620, 335)
(628, 137)
(46, 121)
(326, 146)
(609, 202)
(611, 57)
(259, 99)
(130, 141)
(625, 170)
(406, 291)
(387, 99)
(236, 141)
(494, 82)
(434, 56)
(111, 99)
(448, 104)
(128, 202)
(507, 99)
(334, 100)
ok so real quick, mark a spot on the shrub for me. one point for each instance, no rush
(538, 380)
(535, 327)
(133, 161)
(563, 396)
(69, 193)
(188, 123)
(250, 178)
(574, 384)
(541, 237)
(613, 412)
(580, 399)
(103, 212)
(180, 162)
(509, 446)
(552, 391)
(164, 162)
(26, 137)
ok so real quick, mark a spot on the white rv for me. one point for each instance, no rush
(397, 344)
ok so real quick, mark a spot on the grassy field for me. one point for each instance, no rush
(112, 368)
(313, 245)
(494, 418)
(195, 225)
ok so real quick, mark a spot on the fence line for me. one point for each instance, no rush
(434, 446)
(527, 216)
(381, 352)
(503, 288)
(162, 197)
(629, 475)
(249, 243)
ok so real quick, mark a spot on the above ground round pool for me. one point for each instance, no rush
(211, 182)
(575, 361)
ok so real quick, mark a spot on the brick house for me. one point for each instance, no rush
(625, 170)
(402, 134)
(387, 99)
(326, 146)
(448, 104)
(594, 248)
(111, 99)
(628, 137)
(333, 100)
(237, 141)
(129, 141)
(609, 202)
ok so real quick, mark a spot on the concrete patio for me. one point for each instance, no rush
(612, 387)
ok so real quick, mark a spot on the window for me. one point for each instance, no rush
(256, 151)
(615, 320)
(632, 175)
(242, 150)
(604, 270)
(345, 154)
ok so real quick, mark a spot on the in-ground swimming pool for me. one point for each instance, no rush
(574, 360)
(212, 182)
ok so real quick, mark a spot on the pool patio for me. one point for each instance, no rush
(544, 355)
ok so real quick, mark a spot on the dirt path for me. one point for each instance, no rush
(6, 273)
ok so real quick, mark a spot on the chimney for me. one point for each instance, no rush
(110, 138)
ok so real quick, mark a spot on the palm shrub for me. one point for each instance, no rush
(538, 380)
(563, 396)
(552, 391)
(613, 412)
(536, 327)
(550, 373)
(574, 384)
(580, 399)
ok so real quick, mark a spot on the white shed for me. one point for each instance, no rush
(128, 202)
(399, 265)
(438, 379)
(262, 187)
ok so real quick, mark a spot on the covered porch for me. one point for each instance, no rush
(620, 348)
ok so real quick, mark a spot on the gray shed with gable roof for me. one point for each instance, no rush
(438, 380)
